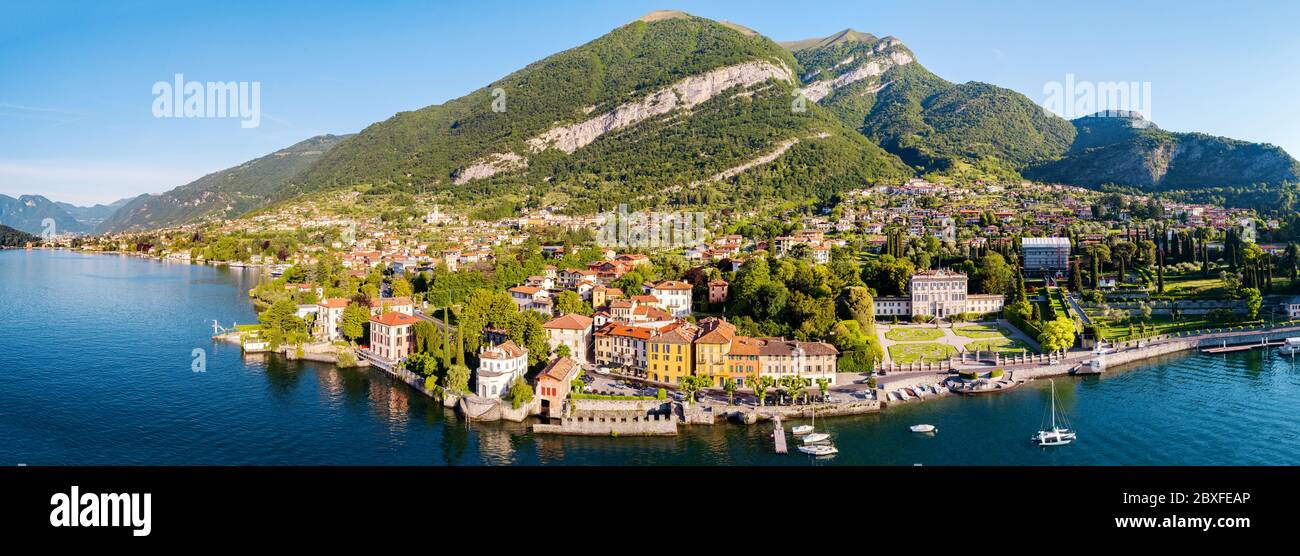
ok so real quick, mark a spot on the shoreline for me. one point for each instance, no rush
(751, 415)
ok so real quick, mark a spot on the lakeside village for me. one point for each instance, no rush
(887, 295)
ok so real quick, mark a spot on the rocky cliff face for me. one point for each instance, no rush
(1126, 149)
(684, 94)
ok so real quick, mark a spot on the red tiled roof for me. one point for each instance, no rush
(673, 285)
(394, 319)
(571, 321)
(560, 370)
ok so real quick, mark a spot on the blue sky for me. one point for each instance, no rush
(76, 77)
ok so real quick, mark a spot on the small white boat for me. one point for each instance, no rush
(819, 450)
(816, 437)
(802, 430)
(1290, 347)
(1055, 436)
(924, 428)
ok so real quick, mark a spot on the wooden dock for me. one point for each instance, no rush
(778, 436)
(1240, 347)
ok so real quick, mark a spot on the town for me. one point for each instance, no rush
(887, 294)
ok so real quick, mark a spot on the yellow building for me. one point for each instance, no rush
(670, 356)
(712, 346)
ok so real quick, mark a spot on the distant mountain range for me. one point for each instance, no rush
(29, 212)
(682, 110)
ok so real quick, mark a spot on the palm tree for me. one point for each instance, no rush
(823, 385)
(729, 386)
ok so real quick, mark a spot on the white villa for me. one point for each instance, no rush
(499, 366)
(938, 293)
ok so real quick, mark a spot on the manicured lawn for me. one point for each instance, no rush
(1193, 286)
(914, 334)
(1161, 324)
(982, 331)
(1003, 345)
(927, 352)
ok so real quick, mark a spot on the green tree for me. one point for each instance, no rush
(856, 303)
(691, 385)
(1057, 335)
(994, 274)
(1253, 302)
(401, 287)
(761, 386)
(355, 319)
(521, 393)
(729, 386)
(458, 379)
(570, 302)
(562, 350)
(823, 385)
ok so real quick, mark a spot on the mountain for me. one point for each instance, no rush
(1123, 148)
(225, 194)
(93, 216)
(669, 108)
(29, 213)
(10, 237)
(876, 85)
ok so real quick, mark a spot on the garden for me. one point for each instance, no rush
(928, 352)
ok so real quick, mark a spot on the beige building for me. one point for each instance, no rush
(938, 293)
(571, 330)
(778, 357)
(392, 335)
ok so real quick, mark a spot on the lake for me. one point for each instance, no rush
(97, 369)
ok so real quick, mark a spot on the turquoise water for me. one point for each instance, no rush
(96, 369)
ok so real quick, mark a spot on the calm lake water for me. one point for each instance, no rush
(96, 370)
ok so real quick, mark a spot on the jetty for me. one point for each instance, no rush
(778, 436)
(1225, 348)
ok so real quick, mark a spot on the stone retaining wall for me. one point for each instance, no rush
(648, 425)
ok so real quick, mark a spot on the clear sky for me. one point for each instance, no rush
(76, 121)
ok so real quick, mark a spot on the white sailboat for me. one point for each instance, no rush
(1055, 436)
(810, 437)
(819, 450)
(806, 429)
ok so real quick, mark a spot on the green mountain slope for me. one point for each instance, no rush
(876, 85)
(10, 237)
(225, 194)
(1126, 149)
(668, 108)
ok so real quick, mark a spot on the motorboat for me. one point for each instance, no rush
(1055, 436)
(802, 430)
(1290, 347)
(819, 450)
(924, 428)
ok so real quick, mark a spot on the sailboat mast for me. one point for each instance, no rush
(1053, 405)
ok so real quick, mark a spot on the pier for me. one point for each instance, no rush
(1225, 348)
(778, 436)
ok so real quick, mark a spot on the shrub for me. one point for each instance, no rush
(661, 394)
(996, 373)
(347, 359)
(969, 375)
